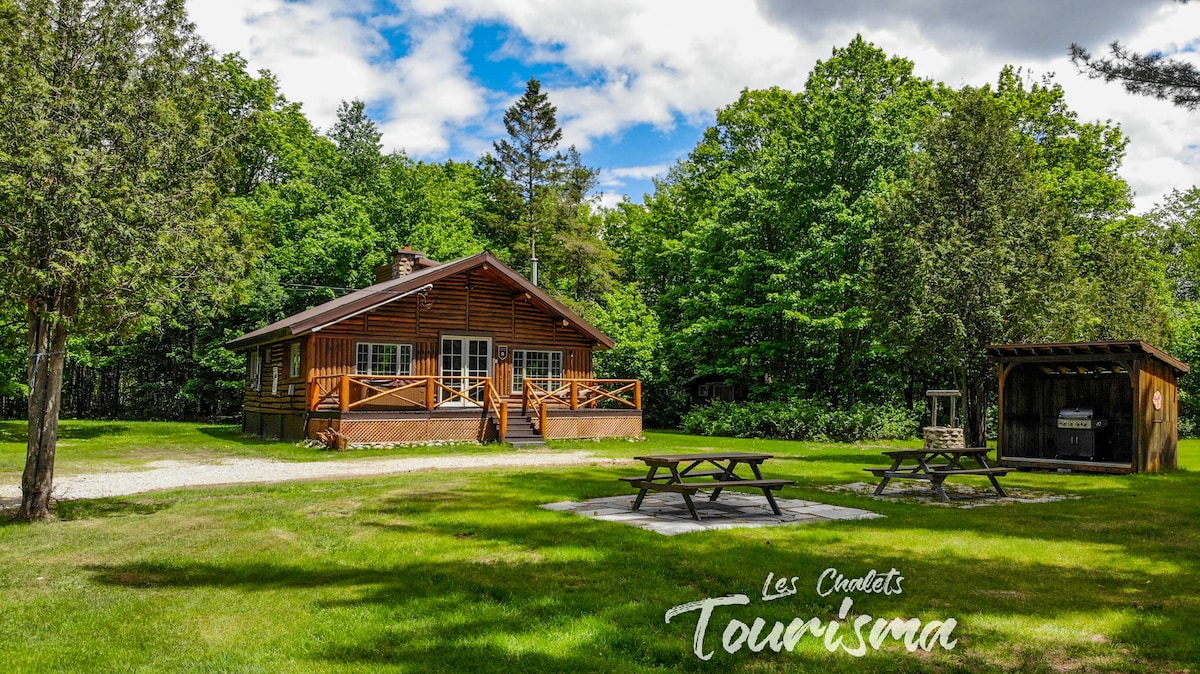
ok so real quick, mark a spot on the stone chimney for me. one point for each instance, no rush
(404, 261)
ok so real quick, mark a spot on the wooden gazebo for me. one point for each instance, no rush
(1091, 406)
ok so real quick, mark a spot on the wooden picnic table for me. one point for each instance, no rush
(723, 471)
(927, 465)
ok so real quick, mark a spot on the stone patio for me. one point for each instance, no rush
(961, 495)
(665, 513)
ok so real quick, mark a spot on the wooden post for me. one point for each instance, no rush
(503, 420)
(313, 395)
(429, 394)
(542, 420)
(344, 394)
(637, 394)
(524, 397)
(574, 394)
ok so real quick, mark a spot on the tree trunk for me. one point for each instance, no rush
(975, 409)
(47, 346)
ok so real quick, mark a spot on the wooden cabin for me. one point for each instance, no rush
(465, 350)
(1090, 406)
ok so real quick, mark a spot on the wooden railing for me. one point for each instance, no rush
(541, 392)
(346, 392)
(497, 403)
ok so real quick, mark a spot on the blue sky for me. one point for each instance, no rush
(636, 82)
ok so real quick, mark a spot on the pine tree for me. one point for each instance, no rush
(1145, 74)
(530, 158)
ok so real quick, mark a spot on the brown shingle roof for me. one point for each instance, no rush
(379, 294)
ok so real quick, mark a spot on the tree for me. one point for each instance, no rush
(1145, 74)
(972, 250)
(529, 157)
(359, 147)
(753, 250)
(109, 188)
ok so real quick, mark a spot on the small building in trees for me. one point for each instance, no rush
(1093, 406)
(464, 350)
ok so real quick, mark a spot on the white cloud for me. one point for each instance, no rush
(615, 64)
(324, 52)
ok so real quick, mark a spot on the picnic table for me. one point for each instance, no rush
(722, 471)
(927, 464)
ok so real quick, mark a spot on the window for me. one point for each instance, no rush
(294, 369)
(536, 364)
(256, 370)
(384, 359)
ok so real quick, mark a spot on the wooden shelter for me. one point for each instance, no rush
(466, 350)
(1094, 406)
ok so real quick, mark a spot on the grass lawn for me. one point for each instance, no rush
(462, 572)
(98, 446)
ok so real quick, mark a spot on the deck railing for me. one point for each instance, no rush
(347, 392)
(540, 392)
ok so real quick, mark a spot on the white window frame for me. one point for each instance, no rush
(256, 370)
(520, 355)
(404, 358)
(295, 363)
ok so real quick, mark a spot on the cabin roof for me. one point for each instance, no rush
(1015, 353)
(375, 296)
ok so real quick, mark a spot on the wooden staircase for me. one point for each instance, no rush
(521, 432)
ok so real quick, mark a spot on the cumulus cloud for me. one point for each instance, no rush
(613, 65)
(324, 52)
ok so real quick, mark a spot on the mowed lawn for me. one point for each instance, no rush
(463, 572)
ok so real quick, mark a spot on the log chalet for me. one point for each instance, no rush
(464, 350)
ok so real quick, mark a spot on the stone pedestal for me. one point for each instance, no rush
(944, 437)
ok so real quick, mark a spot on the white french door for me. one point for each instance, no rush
(465, 362)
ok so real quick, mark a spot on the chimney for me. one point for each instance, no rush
(404, 261)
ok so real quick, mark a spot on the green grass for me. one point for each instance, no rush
(462, 572)
(96, 446)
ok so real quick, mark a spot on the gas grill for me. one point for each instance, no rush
(1076, 435)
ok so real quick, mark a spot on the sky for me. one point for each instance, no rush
(636, 82)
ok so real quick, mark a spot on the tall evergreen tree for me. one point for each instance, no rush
(529, 157)
(109, 182)
(972, 250)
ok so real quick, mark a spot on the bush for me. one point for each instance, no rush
(801, 419)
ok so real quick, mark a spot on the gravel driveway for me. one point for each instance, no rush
(174, 474)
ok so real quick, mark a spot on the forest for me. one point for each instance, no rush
(830, 251)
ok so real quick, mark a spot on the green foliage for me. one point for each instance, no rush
(541, 207)
(110, 164)
(752, 250)
(803, 419)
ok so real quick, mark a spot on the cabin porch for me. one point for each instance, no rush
(395, 409)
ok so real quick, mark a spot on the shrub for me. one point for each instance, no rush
(803, 419)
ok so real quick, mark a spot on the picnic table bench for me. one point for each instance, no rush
(723, 473)
(935, 465)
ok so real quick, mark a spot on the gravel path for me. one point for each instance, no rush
(174, 474)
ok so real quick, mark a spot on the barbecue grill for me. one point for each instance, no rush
(1076, 435)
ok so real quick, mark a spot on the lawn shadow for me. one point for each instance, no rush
(234, 434)
(18, 431)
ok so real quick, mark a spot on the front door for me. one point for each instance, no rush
(466, 361)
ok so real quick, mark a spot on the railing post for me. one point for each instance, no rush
(429, 394)
(524, 397)
(574, 394)
(542, 420)
(344, 394)
(503, 420)
(312, 395)
(637, 394)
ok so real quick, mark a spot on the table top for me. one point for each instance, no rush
(709, 456)
(957, 451)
